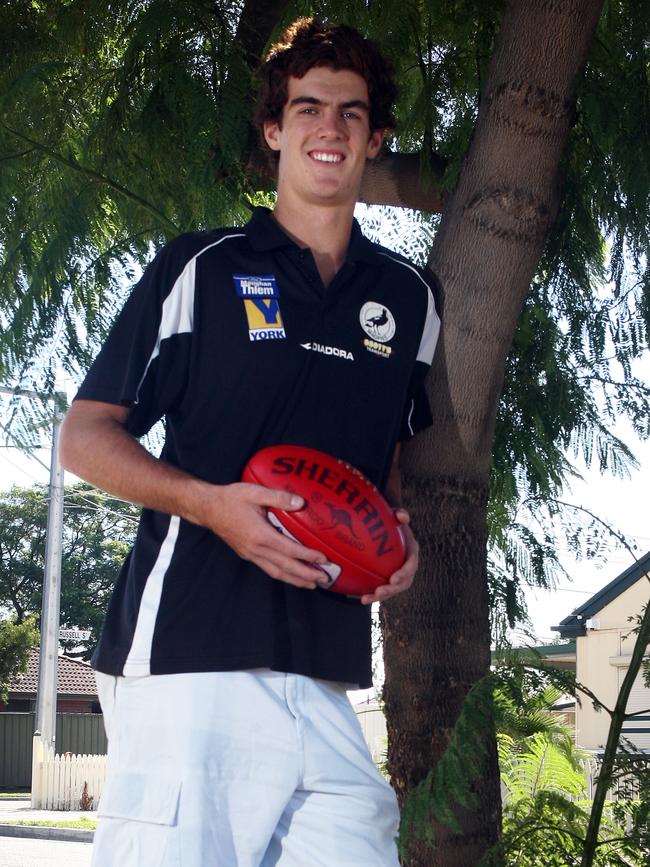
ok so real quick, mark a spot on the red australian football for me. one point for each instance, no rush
(345, 516)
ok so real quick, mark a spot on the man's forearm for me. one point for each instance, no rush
(96, 446)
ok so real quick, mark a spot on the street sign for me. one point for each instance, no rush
(74, 634)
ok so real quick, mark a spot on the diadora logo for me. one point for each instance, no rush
(260, 295)
(328, 350)
(377, 321)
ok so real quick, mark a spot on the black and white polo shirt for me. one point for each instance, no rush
(231, 337)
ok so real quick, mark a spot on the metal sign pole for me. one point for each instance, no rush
(48, 660)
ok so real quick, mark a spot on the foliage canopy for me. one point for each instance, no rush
(17, 638)
(98, 531)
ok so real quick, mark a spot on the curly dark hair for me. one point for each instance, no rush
(309, 42)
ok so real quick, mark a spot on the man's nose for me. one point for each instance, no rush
(331, 125)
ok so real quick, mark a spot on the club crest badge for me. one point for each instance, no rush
(377, 321)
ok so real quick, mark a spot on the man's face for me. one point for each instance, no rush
(324, 139)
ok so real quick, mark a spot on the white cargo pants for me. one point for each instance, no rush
(239, 769)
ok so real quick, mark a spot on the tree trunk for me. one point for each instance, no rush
(436, 638)
(397, 179)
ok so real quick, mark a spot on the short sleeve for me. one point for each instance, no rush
(417, 412)
(144, 362)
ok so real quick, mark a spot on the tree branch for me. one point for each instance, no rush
(619, 536)
(398, 180)
(637, 713)
(15, 156)
(72, 163)
(550, 669)
(256, 24)
(632, 384)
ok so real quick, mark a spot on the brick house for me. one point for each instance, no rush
(76, 688)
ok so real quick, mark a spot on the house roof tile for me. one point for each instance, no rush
(74, 677)
(575, 624)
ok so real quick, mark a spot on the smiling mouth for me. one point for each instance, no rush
(323, 157)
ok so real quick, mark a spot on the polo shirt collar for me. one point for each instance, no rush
(265, 234)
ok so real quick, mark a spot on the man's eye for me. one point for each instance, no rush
(350, 115)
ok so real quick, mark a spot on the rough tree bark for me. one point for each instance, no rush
(436, 637)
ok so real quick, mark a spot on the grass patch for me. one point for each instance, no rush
(83, 823)
(25, 795)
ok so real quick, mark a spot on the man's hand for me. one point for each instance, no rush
(238, 516)
(402, 579)
(96, 446)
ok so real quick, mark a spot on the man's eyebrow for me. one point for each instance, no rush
(313, 100)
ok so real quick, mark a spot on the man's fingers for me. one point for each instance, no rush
(290, 564)
(381, 594)
(405, 572)
(402, 515)
(385, 592)
(272, 498)
(402, 579)
(275, 540)
(292, 571)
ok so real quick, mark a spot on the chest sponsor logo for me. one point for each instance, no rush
(260, 297)
(379, 324)
(328, 350)
(256, 285)
(379, 349)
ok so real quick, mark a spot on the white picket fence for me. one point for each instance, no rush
(373, 725)
(67, 782)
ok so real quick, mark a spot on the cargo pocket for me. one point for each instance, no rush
(139, 817)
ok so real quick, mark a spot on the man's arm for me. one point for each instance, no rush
(403, 578)
(96, 446)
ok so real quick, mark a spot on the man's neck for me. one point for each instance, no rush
(325, 231)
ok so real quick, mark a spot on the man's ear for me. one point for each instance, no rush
(375, 142)
(272, 134)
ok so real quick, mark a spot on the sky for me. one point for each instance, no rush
(622, 503)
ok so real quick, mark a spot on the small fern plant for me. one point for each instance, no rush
(546, 809)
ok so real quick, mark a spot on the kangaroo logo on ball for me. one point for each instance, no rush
(340, 518)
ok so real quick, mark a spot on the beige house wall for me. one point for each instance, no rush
(602, 656)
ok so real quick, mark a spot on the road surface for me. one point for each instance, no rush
(28, 852)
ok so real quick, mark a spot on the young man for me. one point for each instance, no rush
(223, 665)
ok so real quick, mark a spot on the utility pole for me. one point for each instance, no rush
(48, 659)
(49, 650)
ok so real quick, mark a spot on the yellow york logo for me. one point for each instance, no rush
(264, 319)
